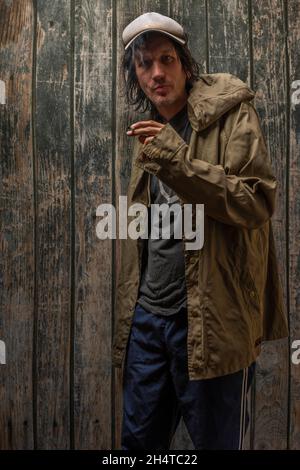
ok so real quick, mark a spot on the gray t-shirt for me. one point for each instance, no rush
(162, 287)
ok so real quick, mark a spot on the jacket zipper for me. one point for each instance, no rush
(185, 267)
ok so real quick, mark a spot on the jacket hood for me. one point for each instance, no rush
(213, 95)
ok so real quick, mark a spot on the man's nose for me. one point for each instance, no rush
(157, 71)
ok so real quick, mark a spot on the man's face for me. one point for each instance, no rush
(160, 74)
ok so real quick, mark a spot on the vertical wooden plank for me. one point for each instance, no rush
(294, 213)
(269, 80)
(17, 224)
(228, 37)
(191, 15)
(126, 11)
(53, 244)
(93, 186)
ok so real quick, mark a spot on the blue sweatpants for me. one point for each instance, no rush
(157, 390)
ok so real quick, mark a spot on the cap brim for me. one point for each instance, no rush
(181, 41)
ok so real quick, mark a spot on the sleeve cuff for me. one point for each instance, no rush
(164, 145)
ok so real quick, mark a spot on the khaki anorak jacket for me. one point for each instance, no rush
(234, 294)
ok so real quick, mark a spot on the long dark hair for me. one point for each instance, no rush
(131, 88)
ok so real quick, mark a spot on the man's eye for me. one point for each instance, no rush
(167, 58)
(145, 64)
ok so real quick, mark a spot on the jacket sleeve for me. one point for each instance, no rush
(240, 193)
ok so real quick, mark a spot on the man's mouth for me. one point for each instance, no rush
(161, 87)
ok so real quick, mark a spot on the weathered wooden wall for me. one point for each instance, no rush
(63, 152)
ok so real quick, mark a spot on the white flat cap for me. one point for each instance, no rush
(152, 22)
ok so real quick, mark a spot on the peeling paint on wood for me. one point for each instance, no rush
(294, 216)
(2, 352)
(295, 96)
(2, 92)
(93, 186)
(269, 79)
(17, 224)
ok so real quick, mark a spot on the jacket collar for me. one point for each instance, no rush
(213, 95)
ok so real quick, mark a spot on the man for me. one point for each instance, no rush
(190, 322)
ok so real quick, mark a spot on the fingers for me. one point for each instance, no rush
(145, 128)
(150, 123)
(144, 131)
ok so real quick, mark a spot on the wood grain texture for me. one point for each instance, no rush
(53, 243)
(191, 14)
(17, 225)
(93, 257)
(269, 81)
(228, 37)
(294, 212)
